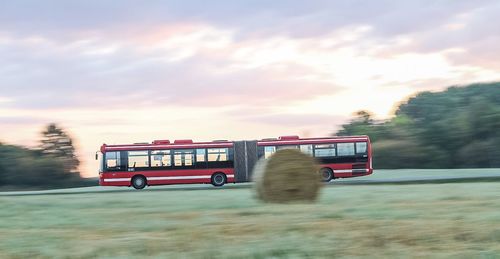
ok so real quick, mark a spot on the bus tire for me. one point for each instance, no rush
(139, 182)
(218, 179)
(326, 174)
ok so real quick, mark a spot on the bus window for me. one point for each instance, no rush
(200, 155)
(324, 150)
(268, 151)
(112, 160)
(217, 154)
(345, 149)
(307, 149)
(287, 147)
(360, 147)
(183, 157)
(138, 159)
(160, 158)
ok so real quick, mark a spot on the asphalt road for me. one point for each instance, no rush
(404, 176)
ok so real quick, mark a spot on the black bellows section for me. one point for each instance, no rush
(251, 157)
(240, 162)
(245, 157)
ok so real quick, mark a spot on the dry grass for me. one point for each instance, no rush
(441, 220)
(287, 176)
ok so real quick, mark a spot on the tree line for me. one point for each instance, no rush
(455, 128)
(52, 164)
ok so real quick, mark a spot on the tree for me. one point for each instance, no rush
(363, 124)
(360, 123)
(2, 169)
(406, 153)
(56, 143)
(458, 127)
(21, 168)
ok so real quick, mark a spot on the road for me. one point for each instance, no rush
(403, 176)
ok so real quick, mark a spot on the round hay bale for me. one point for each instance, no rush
(287, 176)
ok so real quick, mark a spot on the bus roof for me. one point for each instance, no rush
(295, 140)
(165, 144)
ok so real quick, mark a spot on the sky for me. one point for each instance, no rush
(134, 71)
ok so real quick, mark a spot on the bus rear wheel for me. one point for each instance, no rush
(218, 179)
(139, 182)
(326, 174)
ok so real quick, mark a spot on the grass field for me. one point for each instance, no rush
(459, 220)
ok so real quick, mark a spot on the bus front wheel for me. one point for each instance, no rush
(139, 182)
(326, 174)
(218, 179)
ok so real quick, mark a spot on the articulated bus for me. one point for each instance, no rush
(221, 161)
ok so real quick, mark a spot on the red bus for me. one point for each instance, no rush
(219, 162)
(339, 157)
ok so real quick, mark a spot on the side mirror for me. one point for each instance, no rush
(96, 156)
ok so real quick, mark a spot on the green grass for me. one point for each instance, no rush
(460, 220)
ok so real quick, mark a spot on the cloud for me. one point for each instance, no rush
(292, 18)
(292, 120)
(28, 120)
(47, 73)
